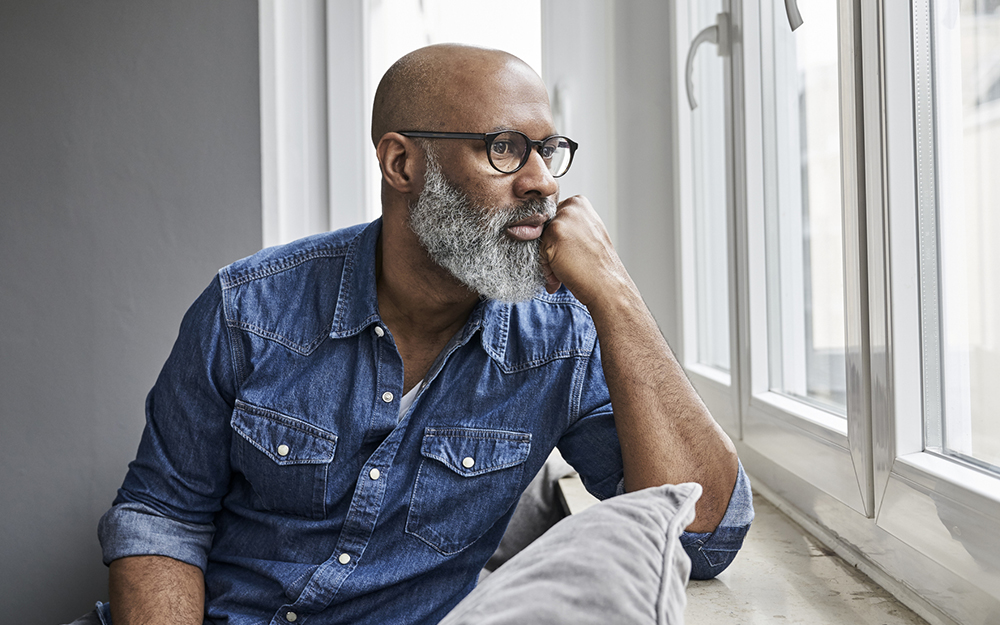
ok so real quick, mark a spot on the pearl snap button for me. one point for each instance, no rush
(283, 450)
(374, 474)
(379, 332)
(468, 463)
(387, 397)
(291, 617)
(344, 558)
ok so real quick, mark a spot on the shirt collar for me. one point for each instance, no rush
(357, 303)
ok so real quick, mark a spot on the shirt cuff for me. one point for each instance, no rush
(134, 529)
(712, 552)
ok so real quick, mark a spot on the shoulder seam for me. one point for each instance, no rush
(278, 265)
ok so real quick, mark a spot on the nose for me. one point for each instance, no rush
(535, 179)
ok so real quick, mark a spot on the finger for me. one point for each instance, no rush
(552, 283)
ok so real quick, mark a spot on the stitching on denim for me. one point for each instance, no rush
(557, 300)
(298, 348)
(270, 503)
(279, 265)
(576, 388)
(413, 518)
(477, 434)
(727, 556)
(370, 319)
(236, 354)
(322, 460)
(324, 479)
(498, 351)
(499, 348)
(519, 454)
(466, 473)
(538, 362)
(344, 294)
(288, 421)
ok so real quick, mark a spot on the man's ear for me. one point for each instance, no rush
(401, 162)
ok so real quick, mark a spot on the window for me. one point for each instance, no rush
(707, 229)
(960, 271)
(860, 153)
(803, 206)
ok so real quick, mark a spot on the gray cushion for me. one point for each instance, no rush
(619, 561)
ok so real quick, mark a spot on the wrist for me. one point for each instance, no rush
(615, 301)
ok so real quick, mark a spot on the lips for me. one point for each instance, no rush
(527, 229)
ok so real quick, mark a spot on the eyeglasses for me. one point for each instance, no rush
(509, 150)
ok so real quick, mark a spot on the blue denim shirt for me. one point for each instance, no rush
(275, 458)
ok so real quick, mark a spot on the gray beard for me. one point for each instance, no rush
(470, 240)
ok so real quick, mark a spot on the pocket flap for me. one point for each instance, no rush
(285, 440)
(469, 451)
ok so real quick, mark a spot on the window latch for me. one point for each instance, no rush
(717, 34)
(792, 12)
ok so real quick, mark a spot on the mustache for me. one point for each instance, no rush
(529, 208)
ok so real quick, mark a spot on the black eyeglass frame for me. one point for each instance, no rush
(489, 137)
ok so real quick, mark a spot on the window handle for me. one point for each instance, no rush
(792, 11)
(717, 34)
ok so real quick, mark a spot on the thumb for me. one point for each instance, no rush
(546, 253)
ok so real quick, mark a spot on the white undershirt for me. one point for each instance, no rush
(407, 400)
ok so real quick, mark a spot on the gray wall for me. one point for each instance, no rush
(129, 173)
(645, 152)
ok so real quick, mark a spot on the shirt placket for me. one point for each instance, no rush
(369, 493)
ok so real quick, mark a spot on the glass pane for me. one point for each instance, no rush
(708, 159)
(966, 81)
(804, 223)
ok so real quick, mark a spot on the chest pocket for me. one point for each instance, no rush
(285, 460)
(468, 478)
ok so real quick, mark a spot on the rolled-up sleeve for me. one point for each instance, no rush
(130, 529)
(181, 472)
(712, 552)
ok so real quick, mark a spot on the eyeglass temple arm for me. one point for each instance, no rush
(422, 134)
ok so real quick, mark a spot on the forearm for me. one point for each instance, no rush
(666, 433)
(151, 590)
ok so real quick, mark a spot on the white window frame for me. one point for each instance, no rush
(718, 389)
(313, 117)
(941, 507)
(910, 518)
(821, 447)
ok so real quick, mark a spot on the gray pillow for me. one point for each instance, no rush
(619, 561)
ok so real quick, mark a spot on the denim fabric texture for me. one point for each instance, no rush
(712, 552)
(100, 615)
(275, 459)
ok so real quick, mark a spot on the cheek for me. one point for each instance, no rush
(486, 190)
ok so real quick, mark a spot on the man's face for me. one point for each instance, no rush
(471, 239)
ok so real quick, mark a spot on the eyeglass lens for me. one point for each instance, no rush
(509, 150)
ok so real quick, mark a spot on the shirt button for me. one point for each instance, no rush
(344, 558)
(379, 332)
(283, 450)
(387, 397)
(468, 462)
(374, 474)
(291, 617)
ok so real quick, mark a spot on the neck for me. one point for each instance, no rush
(416, 297)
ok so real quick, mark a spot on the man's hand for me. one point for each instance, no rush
(576, 251)
(666, 433)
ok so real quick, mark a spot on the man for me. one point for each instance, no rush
(346, 422)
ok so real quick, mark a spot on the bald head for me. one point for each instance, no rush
(449, 87)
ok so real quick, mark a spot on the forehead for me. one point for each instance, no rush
(510, 96)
